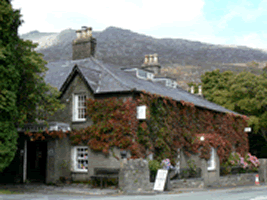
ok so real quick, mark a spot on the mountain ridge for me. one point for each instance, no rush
(125, 48)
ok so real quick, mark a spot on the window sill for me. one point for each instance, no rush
(79, 121)
(212, 170)
(79, 172)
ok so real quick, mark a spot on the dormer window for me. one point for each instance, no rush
(150, 76)
(174, 84)
(168, 83)
(141, 74)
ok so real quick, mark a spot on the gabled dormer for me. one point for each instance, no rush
(151, 70)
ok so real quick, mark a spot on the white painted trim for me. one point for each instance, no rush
(141, 112)
(211, 161)
(25, 162)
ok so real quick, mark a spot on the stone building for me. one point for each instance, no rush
(78, 79)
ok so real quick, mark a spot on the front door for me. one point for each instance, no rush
(36, 161)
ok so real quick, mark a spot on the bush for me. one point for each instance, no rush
(153, 165)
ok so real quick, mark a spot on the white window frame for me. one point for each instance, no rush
(80, 157)
(174, 84)
(150, 76)
(76, 116)
(212, 162)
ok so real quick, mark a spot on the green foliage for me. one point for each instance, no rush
(24, 96)
(8, 142)
(35, 98)
(154, 166)
(253, 64)
(9, 83)
(192, 165)
(245, 93)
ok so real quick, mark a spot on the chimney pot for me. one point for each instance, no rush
(150, 58)
(156, 58)
(192, 89)
(146, 59)
(199, 90)
(89, 31)
(84, 33)
(78, 34)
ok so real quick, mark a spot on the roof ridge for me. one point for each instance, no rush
(112, 74)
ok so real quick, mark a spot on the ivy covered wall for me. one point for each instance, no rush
(169, 125)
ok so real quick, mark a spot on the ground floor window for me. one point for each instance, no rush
(80, 158)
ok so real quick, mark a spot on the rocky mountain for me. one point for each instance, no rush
(185, 59)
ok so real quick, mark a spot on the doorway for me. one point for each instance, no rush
(36, 161)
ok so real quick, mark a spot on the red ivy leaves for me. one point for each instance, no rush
(169, 125)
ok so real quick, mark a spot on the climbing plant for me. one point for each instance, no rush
(169, 125)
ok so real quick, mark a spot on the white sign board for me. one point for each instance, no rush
(141, 112)
(160, 179)
(247, 129)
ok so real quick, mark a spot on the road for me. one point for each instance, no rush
(255, 193)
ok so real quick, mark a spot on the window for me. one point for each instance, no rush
(79, 107)
(174, 84)
(150, 76)
(168, 83)
(80, 158)
(211, 161)
(141, 112)
(141, 74)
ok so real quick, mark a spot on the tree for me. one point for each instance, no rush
(23, 92)
(245, 93)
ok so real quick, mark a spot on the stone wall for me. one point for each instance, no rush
(241, 179)
(231, 180)
(134, 175)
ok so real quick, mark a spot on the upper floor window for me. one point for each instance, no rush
(79, 107)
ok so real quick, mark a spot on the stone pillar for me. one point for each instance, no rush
(204, 172)
(51, 175)
(134, 175)
(263, 170)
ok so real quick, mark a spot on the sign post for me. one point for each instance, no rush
(160, 179)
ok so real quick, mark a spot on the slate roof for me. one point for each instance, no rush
(103, 78)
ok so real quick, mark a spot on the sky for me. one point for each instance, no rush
(225, 22)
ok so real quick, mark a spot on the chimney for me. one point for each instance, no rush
(199, 90)
(84, 45)
(192, 89)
